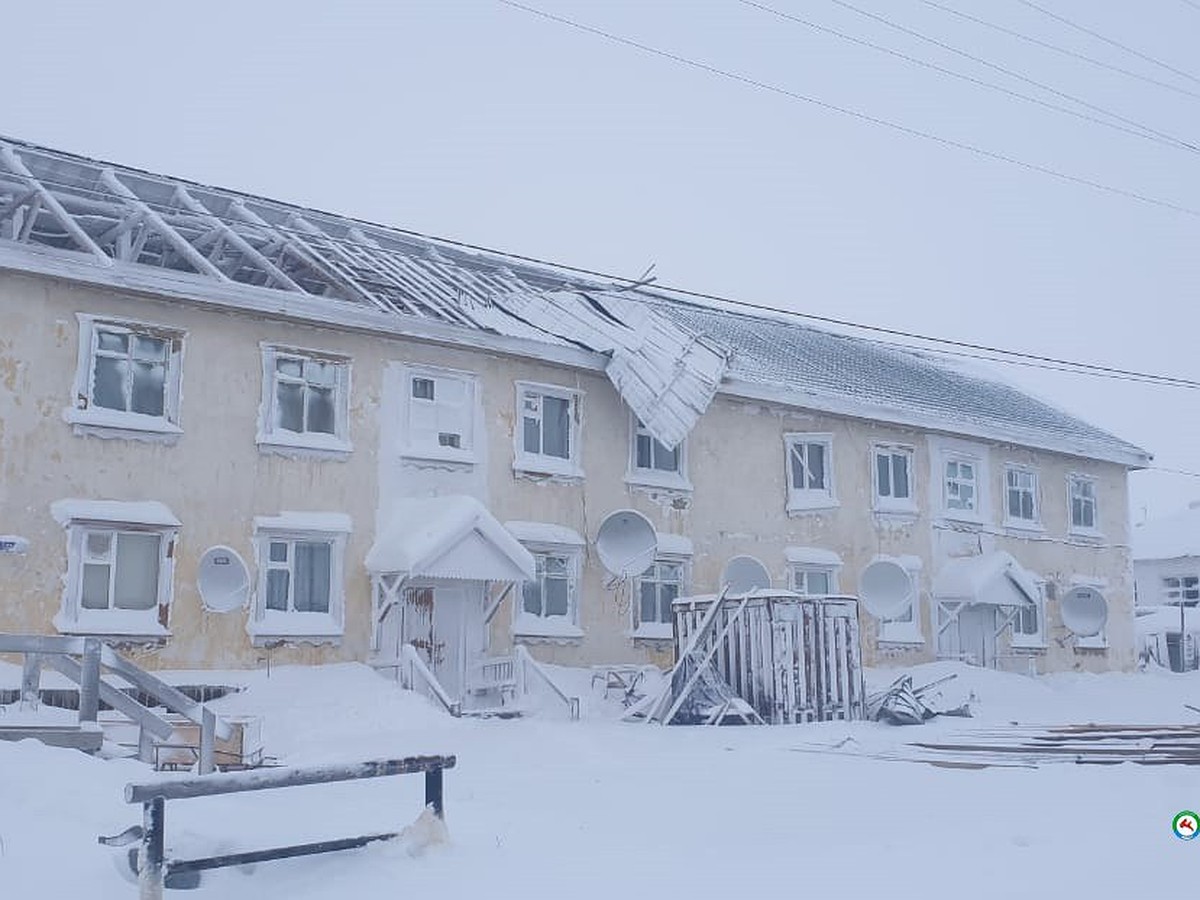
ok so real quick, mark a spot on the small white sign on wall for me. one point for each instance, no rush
(11, 544)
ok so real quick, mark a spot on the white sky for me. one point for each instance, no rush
(475, 121)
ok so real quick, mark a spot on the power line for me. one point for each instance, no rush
(883, 20)
(944, 346)
(1064, 50)
(1136, 132)
(856, 114)
(1100, 37)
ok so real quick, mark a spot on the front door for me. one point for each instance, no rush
(977, 634)
(443, 621)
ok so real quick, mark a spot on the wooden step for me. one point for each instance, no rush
(87, 739)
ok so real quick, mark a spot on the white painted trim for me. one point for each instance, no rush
(466, 456)
(635, 476)
(1095, 532)
(906, 506)
(538, 463)
(289, 443)
(1034, 524)
(802, 500)
(266, 625)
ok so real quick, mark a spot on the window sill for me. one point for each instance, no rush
(897, 513)
(319, 446)
(900, 637)
(109, 423)
(313, 628)
(547, 467)
(1091, 644)
(554, 628)
(1024, 526)
(444, 456)
(954, 517)
(662, 481)
(801, 505)
(1090, 536)
(654, 631)
(142, 628)
(1030, 649)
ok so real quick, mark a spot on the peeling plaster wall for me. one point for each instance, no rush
(216, 481)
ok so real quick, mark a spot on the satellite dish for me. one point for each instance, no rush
(626, 543)
(744, 574)
(1084, 611)
(885, 589)
(223, 580)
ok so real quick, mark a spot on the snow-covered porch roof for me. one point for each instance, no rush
(994, 579)
(448, 537)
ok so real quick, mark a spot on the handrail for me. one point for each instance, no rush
(409, 655)
(527, 661)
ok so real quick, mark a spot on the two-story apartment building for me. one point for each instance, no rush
(230, 426)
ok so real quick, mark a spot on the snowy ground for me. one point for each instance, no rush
(598, 809)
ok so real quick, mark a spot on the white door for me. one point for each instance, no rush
(444, 622)
(977, 634)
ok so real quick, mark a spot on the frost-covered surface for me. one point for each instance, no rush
(542, 807)
(1170, 537)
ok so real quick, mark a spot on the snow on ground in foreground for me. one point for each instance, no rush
(541, 807)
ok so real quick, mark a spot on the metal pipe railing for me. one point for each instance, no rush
(527, 662)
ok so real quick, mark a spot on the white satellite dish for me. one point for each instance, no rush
(223, 580)
(885, 589)
(1084, 611)
(626, 543)
(744, 574)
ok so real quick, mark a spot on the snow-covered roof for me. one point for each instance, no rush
(812, 556)
(1170, 537)
(448, 537)
(667, 357)
(993, 578)
(544, 533)
(147, 512)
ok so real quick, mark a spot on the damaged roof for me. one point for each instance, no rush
(666, 357)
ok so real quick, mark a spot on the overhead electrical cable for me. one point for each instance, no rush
(853, 113)
(1100, 37)
(1065, 51)
(1136, 132)
(903, 29)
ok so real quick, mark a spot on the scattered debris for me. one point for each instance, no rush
(902, 704)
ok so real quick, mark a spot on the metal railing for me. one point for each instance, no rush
(525, 664)
(412, 668)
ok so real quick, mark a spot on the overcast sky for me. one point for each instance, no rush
(476, 121)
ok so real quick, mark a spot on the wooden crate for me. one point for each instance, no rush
(243, 749)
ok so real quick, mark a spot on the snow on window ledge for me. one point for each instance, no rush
(1095, 642)
(313, 628)
(906, 634)
(1088, 535)
(451, 456)
(654, 631)
(799, 504)
(891, 509)
(654, 479)
(557, 628)
(127, 624)
(1031, 646)
(1022, 527)
(288, 443)
(535, 465)
(113, 423)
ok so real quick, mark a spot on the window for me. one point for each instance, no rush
(1029, 623)
(1183, 589)
(813, 582)
(654, 592)
(439, 415)
(549, 604)
(960, 483)
(809, 471)
(547, 435)
(305, 401)
(1020, 496)
(120, 567)
(652, 464)
(300, 592)
(1083, 504)
(893, 478)
(127, 378)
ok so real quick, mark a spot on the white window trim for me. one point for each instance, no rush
(658, 631)
(944, 450)
(1034, 524)
(898, 632)
(1037, 641)
(902, 506)
(537, 463)
(271, 440)
(656, 478)
(466, 456)
(810, 499)
(113, 423)
(1079, 530)
(562, 628)
(269, 625)
(135, 624)
(831, 571)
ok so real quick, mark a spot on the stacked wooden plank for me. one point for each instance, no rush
(1084, 744)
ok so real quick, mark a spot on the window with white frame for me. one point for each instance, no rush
(439, 414)
(893, 478)
(961, 481)
(654, 592)
(1083, 503)
(1183, 589)
(550, 602)
(814, 581)
(1029, 623)
(651, 463)
(300, 590)
(120, 568)
(809, 471)
(547, 436)
(127, 377)
(1020, 496)
(306, 399)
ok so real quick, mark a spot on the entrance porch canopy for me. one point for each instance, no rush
(993, 579)
(448, 537)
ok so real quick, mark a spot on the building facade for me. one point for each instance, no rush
(258, 452)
